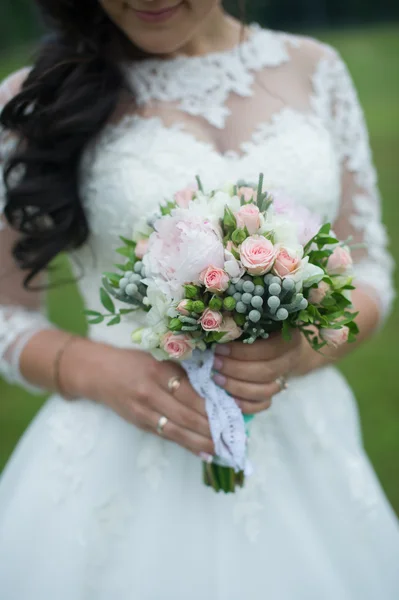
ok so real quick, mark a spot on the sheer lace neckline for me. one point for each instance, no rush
(200, 85)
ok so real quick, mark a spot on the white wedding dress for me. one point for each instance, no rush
(91, 508)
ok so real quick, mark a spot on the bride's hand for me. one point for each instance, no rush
(135, 385)
(254, 373)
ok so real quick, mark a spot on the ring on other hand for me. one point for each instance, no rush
(282, 383)
(161, 425)
(173, 384)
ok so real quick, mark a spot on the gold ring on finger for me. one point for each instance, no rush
(282, 383)
(173, 384)
(161, 424)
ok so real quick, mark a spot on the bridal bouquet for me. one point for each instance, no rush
(237, 263)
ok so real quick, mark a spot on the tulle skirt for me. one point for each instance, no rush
(91, 508)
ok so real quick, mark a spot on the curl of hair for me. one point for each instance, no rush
(67, 98)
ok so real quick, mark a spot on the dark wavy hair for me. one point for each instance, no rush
(68, 96)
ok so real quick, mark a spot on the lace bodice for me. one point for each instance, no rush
(284, 105)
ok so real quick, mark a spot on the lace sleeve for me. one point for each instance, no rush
(360, 216)
(20, 311)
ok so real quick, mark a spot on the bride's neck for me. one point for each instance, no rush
(220, 32)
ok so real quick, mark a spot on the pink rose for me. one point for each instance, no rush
(247, 192)
(317, 295)
(182, 308)
(141, 248)
(248, 216)
(211, 320)
(286, 262)
(335, 337)
(257, 255)
(178, 346)
(214, 279)
(340, 261)
(184, 197)
(230, 329)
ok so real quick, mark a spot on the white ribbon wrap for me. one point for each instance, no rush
(225, 418)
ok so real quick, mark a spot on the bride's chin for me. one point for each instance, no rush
(161, 39)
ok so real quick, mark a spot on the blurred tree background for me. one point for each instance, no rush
(366, 33)
(19, 22)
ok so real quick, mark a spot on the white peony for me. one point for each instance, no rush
(213, 208)
(183, 245)
(307, 275)
(233, 267)
(284, 229)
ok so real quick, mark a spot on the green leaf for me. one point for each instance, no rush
(325, 239)
(113, 278)
(325, 229)
(167, 208)
(328, 301)
(106, 301)
(127, 242)
(92, 313)
(115, 321)
(235, 254)
(229, 220)
(260, 191)
(218, 335)
(286, 331)
(199, 183)
(126, 311)
(127, 252)
(95, 320)
(303, 316)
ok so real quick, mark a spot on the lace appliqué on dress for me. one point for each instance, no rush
(201, 85)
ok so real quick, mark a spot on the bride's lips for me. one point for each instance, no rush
(158, 16)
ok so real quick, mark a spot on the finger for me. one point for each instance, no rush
(260, 350)
(253, 372)
(185, 394)
(247, 391)
(182, 415)
(197, 444)
(253, 408)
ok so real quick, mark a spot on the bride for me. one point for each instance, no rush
(126, 99)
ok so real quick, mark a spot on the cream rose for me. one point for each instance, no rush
(335, 337)
(230, 329)
(248, 216)
(141, 248)
(182, 308)
(185, 196)
(317, 295)
(287, 261)
(257, 255)
(340, 261)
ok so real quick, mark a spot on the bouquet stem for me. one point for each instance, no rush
(223, 479)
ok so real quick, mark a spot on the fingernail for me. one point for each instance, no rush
(217, 364)
(223, 350)
(219, 379)
(206, 457)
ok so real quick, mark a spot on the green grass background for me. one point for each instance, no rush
(372, 55)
